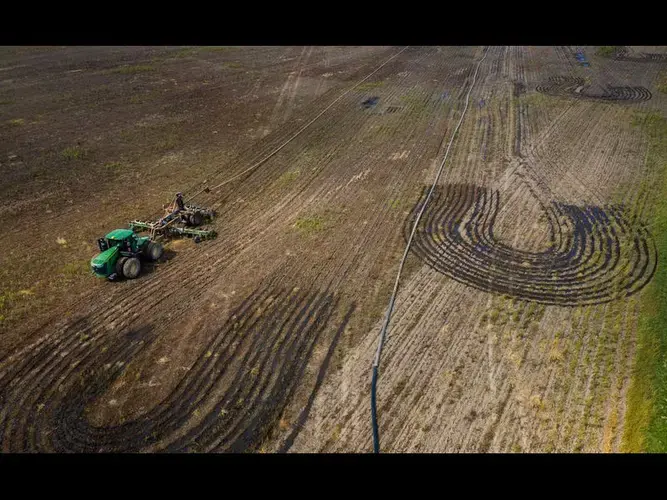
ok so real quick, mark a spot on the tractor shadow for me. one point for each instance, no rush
(148, 267)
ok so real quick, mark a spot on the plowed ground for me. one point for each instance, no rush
(515, 326)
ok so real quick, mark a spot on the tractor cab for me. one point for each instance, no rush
(124, 239)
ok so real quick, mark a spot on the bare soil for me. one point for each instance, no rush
(515, 325)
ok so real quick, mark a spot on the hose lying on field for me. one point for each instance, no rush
(383, 332)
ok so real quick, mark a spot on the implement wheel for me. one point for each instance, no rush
(131, 268)
(196, 219)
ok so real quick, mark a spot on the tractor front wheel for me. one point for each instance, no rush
(120, 263)
(154, 251)
(131, 268)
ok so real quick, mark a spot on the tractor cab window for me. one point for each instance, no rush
(112, 243)
(103, 244)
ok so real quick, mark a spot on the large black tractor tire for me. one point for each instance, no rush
(131, 268)
(153, 251)
(119, 266)
(196, 219)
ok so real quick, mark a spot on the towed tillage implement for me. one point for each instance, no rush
(180, 222)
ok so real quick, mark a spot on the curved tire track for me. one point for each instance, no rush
(243, 382)
(595, 255)
(576, 88)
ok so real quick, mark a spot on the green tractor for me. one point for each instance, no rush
(121, 254)
(122, 250)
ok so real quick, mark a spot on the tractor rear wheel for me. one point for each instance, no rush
(131, 268)
(120, 263)
(153, 251)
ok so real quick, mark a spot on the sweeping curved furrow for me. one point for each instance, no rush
(603, 259)
(622, 54)
(256, 359)
(575, 87)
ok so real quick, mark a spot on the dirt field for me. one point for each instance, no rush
(515, 327)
